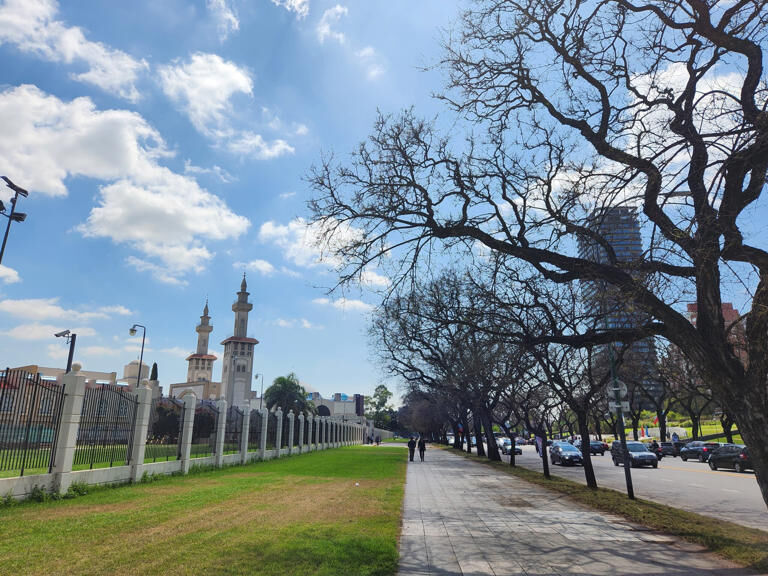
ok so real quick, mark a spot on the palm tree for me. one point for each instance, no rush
(288, 394)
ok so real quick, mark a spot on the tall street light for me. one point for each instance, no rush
(13, 216)
(71, 339)
(261, 394)
(132, 332)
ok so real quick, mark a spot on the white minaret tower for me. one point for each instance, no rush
(237, 371)
(200, 368)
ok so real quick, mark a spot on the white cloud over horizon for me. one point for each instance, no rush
(32, 27)
(48, 308)
(37, 331)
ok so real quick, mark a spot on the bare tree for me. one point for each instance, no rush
(581, 107)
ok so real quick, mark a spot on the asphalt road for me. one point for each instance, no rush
(686, 485)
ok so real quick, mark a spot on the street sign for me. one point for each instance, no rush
(623, 406)
(619, 386)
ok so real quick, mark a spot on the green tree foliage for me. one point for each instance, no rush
(378, 409)
(153, 374)
(287, 393)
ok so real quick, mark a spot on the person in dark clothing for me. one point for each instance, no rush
(411, 447)
(422, 448)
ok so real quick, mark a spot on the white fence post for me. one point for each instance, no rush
(263, 437)
(278, 432)
(291, 421)
(246, 429)
(221, 429)
(302, 422)
(74, 390)
(140, 429)
(190, 402)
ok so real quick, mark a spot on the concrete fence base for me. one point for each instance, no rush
(322, 433)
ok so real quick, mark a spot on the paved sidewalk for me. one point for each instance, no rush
(461, 517)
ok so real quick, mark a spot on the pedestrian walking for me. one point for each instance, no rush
(422, 448)
(411, 448)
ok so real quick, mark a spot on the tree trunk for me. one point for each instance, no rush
(753, 422)
(466, 435)
(586, 456)
(662, 414)
(480, 449)
(727, 423)
(545, 462)
(493, 448)
(695, 427)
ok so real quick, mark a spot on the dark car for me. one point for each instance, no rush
(597, 447)
(564, 454)
(734, 456)
(670, 448)
(698, 450)
(638, 455)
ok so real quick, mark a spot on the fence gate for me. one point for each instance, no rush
(105, 435)
(30, 413)
(254, 431)
(233, 430)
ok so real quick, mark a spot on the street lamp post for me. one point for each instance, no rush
(261, 394)
(13, 216)
(132, 332)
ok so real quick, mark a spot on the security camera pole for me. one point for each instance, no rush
(71, 339)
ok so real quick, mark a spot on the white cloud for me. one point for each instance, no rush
(48, 309)
(215, 170)
(345, 304)
(292, 323)
(203, 86)
(31, 26)
(57, 351)
(371, 62)
(371, 278)
(286, 195)
(9, 275)
(329, 18)
(261, 266)
(38, 331)
(248, 143)
(176, 351)
(300, 7)
(164, 216)
(224, 16)
(97, 351)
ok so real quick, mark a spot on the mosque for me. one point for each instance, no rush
(237, 370)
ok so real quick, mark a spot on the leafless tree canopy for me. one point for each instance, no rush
(573, 108)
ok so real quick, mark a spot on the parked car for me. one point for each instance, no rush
(449, 438)
(638, 455)
(698, 450)
(734, 456)
(597, 447)
(564, 454)
(505, 446)
(671, 448)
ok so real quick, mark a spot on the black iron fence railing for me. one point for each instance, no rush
(286, 428)
(308, 424)
(271, 430)
(204, 429)
(107, 421)
(254, 431)
(296, 430)
(30, 413)
(166, 417)
(233, 433)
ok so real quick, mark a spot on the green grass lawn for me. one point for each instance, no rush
(333, 512)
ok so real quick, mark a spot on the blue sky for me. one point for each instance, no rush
(164, 146)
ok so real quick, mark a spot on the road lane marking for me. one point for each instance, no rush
(729, 490)
(708, 471)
